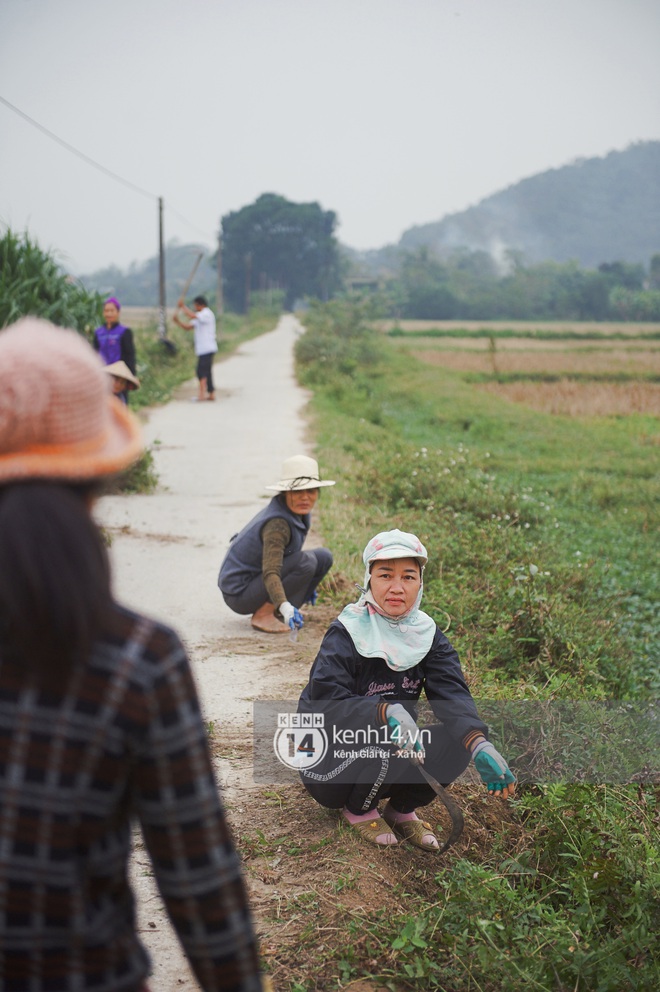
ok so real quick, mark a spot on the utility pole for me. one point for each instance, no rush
(248, 280)
(219, 305)
(162, 327)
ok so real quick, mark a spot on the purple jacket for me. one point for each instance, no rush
(115, 344)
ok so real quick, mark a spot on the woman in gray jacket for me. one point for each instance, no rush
(265, 571)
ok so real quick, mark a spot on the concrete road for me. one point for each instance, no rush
(213, 461)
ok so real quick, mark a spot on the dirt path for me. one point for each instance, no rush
(213, 461)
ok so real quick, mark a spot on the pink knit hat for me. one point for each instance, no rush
(58, 419)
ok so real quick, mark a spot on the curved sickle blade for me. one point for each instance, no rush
(452, 807)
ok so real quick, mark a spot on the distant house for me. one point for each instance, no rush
(363, 284)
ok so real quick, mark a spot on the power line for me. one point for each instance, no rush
(85, 158)
(97, 165)
(203, 234)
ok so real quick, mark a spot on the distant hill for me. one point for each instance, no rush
(138, 285)
(592, 211)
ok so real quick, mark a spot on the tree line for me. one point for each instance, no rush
(281, 253)
(474, 286)
(276, 246)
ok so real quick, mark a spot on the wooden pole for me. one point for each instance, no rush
(162, 326)
(219, 306)
(248, 280)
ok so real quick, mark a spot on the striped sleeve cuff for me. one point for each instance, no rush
(471, 739)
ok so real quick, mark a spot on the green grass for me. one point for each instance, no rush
(578, 912)
(536, 334)
(540, 533)
(595, 377)
(491, 487)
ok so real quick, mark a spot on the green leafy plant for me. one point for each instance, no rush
(33, 283)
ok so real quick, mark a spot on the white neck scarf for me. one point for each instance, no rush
(402, 642)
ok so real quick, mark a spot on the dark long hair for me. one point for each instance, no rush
(55, 593)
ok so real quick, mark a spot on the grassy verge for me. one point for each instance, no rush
(493, 488)
(541, 330)
(540, 537)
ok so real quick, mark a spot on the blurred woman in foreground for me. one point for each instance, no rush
(99, 719)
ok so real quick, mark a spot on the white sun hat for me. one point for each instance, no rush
(300, 472)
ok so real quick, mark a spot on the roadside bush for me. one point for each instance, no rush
(339, 343)
(139, 478)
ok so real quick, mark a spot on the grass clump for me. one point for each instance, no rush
(576, 910)
(141, 477)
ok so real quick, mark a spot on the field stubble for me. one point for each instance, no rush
(581, 399)
(580, 373)
(411, 327)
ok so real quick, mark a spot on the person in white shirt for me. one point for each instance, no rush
(203, 325)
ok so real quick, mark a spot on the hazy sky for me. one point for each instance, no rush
(390, 112)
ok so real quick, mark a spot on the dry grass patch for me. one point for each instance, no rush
(528, 344)
(581, 399)
(589, 361)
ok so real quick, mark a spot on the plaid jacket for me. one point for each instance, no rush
(124, 740)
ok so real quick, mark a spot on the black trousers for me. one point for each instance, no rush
(360, 784)
(205, 369)
(301, 573)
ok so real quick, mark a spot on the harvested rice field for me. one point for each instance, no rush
(581, 399)
(638, 329)
(553, 368)
(556, 361)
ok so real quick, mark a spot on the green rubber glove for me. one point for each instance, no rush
(494, 771)
(405, 732)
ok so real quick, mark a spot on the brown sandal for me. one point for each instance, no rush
(371, 830)
(413, 831)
